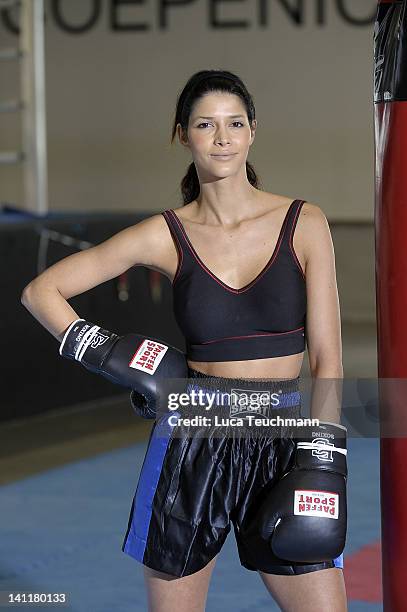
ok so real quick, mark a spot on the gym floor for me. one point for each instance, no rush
(67, 481)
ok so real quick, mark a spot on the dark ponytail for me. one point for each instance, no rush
(199, 84)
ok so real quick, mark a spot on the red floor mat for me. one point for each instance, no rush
(362, 571)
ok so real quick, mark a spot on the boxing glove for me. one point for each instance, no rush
(303, 517)
(138, 362)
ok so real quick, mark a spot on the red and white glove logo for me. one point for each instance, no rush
(148, 356)
(316, 503)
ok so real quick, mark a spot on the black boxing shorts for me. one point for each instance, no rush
(197, 481)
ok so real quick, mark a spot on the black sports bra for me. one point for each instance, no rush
(265, 318)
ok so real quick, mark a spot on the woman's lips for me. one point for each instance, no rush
(220, 157)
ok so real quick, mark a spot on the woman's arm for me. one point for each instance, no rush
(323, 316)
(45, 297)
(50, 309)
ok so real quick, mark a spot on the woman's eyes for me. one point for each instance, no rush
(207, 123)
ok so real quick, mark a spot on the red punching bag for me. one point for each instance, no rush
(390, 118)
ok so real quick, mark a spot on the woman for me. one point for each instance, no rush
(248, 268)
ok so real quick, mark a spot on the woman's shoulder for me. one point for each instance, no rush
(313, 231)
(312, 216)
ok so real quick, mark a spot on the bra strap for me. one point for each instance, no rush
(291, 222)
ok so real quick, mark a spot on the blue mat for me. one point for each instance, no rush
(62, 531)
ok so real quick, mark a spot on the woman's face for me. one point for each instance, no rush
(218, 125)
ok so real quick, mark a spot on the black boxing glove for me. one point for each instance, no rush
(138, 362)
(303, 518)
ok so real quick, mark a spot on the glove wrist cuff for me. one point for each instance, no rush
(323, 447)
(87, 343)
(67, 346)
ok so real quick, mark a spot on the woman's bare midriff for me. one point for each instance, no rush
(279, 368)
